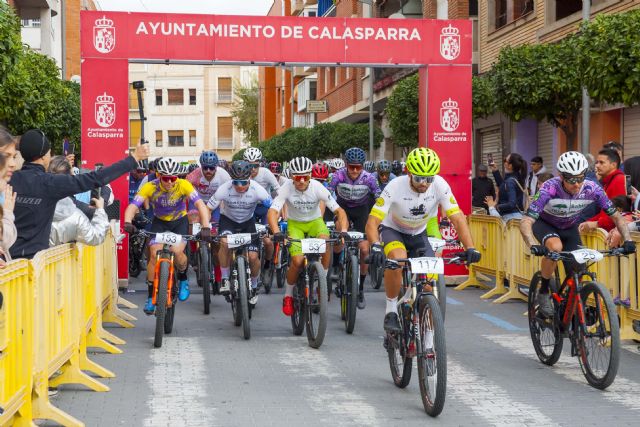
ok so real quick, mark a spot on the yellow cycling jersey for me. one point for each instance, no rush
(167, 205)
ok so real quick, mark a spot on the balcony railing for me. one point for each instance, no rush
(224, 96)
(225, 142)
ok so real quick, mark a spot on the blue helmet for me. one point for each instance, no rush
(208, 158)
(355, 156)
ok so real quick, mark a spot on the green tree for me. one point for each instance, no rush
(239, 155)
(609, 59)
(402, 110)
(245, 110)
(541, 82)
(484, 98)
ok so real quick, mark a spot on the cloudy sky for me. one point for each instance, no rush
(219, 7)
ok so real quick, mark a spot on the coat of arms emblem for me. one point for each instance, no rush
(449, 115)
(105, 110)
(450, 43)
(104, 35)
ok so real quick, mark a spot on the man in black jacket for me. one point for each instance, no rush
(38, 191)
(481, 187)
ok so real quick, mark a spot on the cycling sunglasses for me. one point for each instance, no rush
(209, 168)
(240, 182)
(301, 178)
(573, 179)
(355, 167)
(254, 165)
(421, 179)
(169, 178)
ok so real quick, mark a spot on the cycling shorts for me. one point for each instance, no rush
(178, 226)
(227, 226)
(358, 216)
(570, 238)
(415, 245)
(260, 214)
(300, 230)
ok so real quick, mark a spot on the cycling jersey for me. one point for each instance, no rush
(407, 211)
(282, 180)
(351, 193)
(167, 205)
(563, 210)
(205, 188)
(236, 206)
(267, 180)
(304, 206)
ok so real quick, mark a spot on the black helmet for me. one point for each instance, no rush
(240, 169)
(396, 167)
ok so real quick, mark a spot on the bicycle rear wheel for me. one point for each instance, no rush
(545, 333)
(281, 272)
(299, 316)
(399, 362)
(243, 297)
(204, 276)
(432, 356)
(350, 296)
(599, 342)
(161, 302)
(317, 305)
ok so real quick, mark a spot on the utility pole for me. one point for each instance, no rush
(586, 102)
(372, 155)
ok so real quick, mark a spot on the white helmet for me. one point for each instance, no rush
(572, 163)
(286, 173)
(167, 166)
(337, 163)
(300, 166)
(252, 154)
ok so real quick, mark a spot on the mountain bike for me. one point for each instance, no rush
(280, 261)
(137, 245)
(583, 312)
(421, 329)
(165, 293)
(240, 290)
(310, 292)
(348, 278)
(203, 267)
(266, 274)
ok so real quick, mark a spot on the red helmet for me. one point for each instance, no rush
(275, 168)
(320, 171)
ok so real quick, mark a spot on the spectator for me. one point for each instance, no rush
(511, 188)
(617, 147)
(591, 172)
(537, 167)
(8, 232)
(614, 184)
(481, 187)
(38, 192)
(70, 224)
(9, 152)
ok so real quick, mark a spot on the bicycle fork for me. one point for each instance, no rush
(159, 261)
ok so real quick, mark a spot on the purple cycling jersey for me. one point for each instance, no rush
(562, 210)
(351, 194)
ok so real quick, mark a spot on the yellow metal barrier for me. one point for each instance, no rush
(16, 343)
(51, 310)
(629, 268)
(487, 232)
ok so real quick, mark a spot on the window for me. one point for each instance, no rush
(348, 73)
(176, 96)
(225, 89)
(225, 132)
(35, 23)
(176, 138)
(135, 131)
(507, 11)
(133, 98)
(192, 138)
(313, 90)
(326, 80)
(158, 138)
(158, 96)
(192, 97)
(336, 76)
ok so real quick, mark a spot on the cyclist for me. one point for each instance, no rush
(369, 166)
(401, 214)
(355, 191)
(320, 172)
(168, 196)
(239, 198)
(383, 173)
(555, 213)
(276, 170)
(397, 168)
(303, 197)
(208, 178)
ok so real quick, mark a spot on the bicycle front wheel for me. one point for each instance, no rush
(350, 296)
(243, 297)
(545, 333)
(599, 341)
(316, 305)
(432, 356)
(299, 316)
(204, 276)
(161, 302)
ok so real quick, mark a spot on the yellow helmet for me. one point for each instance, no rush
(423, 162)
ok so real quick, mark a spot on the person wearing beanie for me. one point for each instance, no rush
(38, 192)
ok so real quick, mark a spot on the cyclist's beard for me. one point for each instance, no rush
(418, 189)
(209, 175)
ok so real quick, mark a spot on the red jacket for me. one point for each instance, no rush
(614, 184)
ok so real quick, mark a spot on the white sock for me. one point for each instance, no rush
(392, 305)
(288, 290)
(254, 282)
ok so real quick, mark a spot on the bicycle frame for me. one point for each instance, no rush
(164, 256)
(572, 303)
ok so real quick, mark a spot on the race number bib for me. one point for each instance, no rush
(168, 238)
(236, 240)
(313, 246)
(261, 228)
(437, 244)
(583, 256)
(196, 227)
(331, 224)
(427, 265)
(356, 235)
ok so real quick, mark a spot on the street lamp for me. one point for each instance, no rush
(586, 102)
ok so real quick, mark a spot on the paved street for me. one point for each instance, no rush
(206, 374)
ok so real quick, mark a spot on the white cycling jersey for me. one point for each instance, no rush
(304, 206)
(267, 180)
(238, 207)
(407, 211)
(282, 180)
(205, 188)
